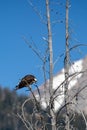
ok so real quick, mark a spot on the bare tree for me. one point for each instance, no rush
(40, 122)
(50, 64)
(50, 47)
(66, 66)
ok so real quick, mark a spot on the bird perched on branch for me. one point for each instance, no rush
(26, 81)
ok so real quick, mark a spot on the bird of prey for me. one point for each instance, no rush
(26, 81)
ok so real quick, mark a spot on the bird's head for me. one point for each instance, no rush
(35, 80)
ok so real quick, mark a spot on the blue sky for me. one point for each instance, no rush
(18, 19)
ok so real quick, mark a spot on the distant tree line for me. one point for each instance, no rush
(10, 105)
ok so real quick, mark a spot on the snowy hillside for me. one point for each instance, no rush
(76, 82)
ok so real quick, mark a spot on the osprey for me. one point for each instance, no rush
(26, 81)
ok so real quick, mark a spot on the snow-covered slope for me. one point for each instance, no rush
(76, 82)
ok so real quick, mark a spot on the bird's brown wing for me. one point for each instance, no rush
(29, 79)
(25, 81)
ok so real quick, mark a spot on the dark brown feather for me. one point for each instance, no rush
(25, 81)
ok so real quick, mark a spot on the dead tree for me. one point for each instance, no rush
(50, 65)
(37, 113)
(66, 66)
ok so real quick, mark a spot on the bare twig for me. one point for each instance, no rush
(36, 102)
(23, 108)
(34, 50)
(74, 96)
(36, 11)
(73, 47)
(24, 122)
(68, 103)
(57, 21)
(79, 92)
(23, 114)
(70, 76)
(38, 91)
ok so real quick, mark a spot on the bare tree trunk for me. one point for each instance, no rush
(50, 64)
(66, 65)
(50, 46)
